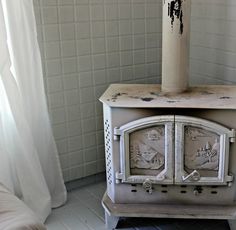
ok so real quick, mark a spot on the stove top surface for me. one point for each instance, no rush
(150, 96)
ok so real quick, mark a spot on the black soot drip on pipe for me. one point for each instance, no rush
(175, 12)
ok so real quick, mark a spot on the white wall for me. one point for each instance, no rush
(88, 44)
(213, 42)
(85, 46)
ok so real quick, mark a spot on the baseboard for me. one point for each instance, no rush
(70, 185)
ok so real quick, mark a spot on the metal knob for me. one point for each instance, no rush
(147, 185)
(195, 192)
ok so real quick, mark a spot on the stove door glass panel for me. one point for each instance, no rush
(147, 151)
(201, 152)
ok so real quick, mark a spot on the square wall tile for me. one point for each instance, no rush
(98, 45)
(58, 115)
(139, 11)
(111, 12)
(70, 82)
(72, 97)
(51, 33)
(82, 13)
(52, 50)
(83, 47)
(73, 112)
(76, 158)
(69, 65)
(49, 15)
(112, 44)
(88, 125)
(53, 67)
(97, 12)
(85, 63)
(98, 29)
(68, 49)
(54, 84)
(86, 95)
(113, 60)
(87, 110)
(90, 168)
(89, 140)
(99, 77)
(77, 172)
(112, 28)
(66, 14)
(62, 146)
(125, 11)
(85, 79)
(99, 61)
(75, 143)
(56, 100)
(60, 131)
(90, 154)
(83, 30)
(74, 128)
(67, 31)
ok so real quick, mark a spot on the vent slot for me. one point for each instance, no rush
(183, 191)
(214, 192)
(108, 152)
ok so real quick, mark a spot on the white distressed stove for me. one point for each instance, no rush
(170, 148)
(170, 155)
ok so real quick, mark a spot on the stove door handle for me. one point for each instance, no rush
(193, 176)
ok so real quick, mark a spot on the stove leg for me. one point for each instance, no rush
(111, 221)
(232, 224)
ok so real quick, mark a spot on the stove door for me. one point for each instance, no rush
(146, 147)
(201, 152)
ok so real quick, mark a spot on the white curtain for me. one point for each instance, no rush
(29, 164)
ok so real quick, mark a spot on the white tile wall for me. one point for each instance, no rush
(213, 42)
(88, 44)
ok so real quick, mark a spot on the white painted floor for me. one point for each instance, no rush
(84, 211)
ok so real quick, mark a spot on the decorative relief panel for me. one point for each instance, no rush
(174, 150)
(201, 151)
(147, 150)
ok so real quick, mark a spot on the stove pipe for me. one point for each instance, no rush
(175, 45)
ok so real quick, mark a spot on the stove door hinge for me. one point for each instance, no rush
(119, 177)
(232, 136)
(117, 134)
(229, 178)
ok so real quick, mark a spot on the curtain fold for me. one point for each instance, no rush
(27, 146)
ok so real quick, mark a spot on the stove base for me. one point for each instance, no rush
(114, 211)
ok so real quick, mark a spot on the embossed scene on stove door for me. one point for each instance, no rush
(201, 151)
(147, 151)
(146, 147)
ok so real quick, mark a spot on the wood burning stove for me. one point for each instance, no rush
(168, 152)
(170, 149)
